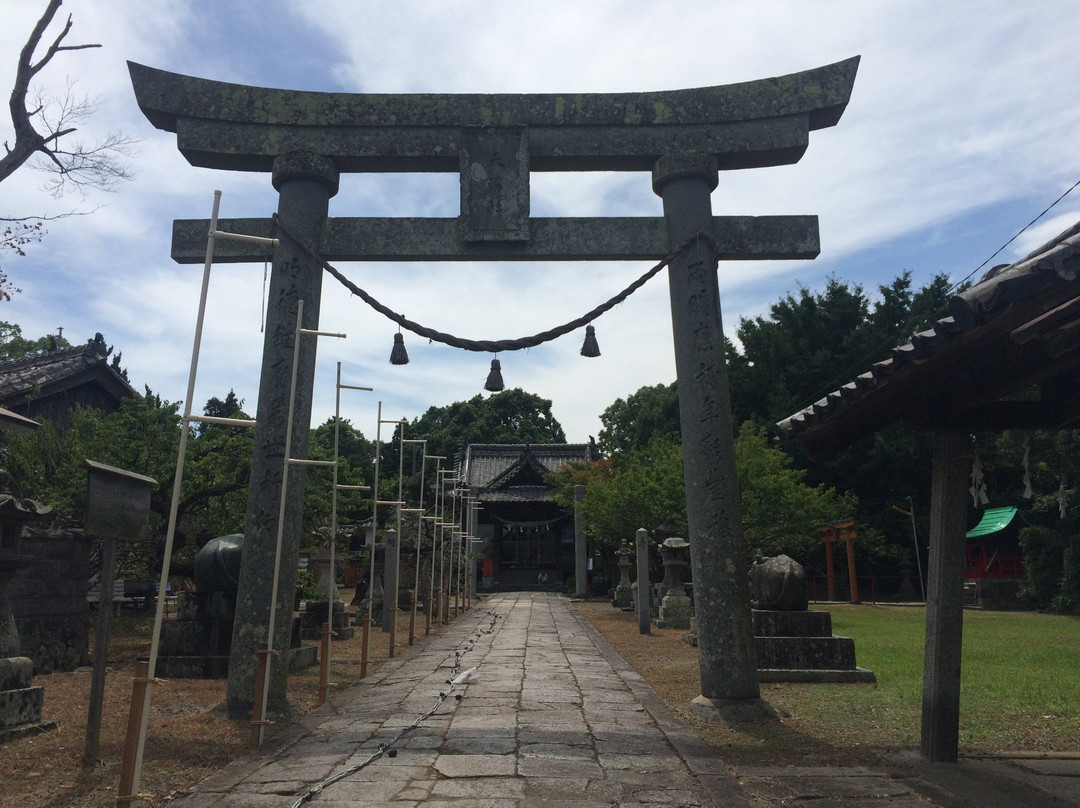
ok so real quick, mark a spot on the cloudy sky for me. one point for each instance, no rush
(961, 129)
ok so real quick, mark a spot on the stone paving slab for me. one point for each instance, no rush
(552, 717)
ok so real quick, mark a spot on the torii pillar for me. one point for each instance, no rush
(305, 182)
(713, 511)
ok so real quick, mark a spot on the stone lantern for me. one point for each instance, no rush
(624, 594)
(675, 607)
(20, 703)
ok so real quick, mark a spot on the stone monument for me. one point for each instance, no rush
(196, 644)
(792, 643)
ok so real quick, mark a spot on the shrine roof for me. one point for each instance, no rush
(1007, 357)
(993, 521)
(43, 375)
(515, 471)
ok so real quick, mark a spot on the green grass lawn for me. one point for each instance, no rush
(1020, 681)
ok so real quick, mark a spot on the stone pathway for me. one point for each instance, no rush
(550, 717)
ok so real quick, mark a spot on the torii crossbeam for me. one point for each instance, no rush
(494, 142)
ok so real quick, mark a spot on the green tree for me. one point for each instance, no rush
(648, 414)
(142, 436)
(645, 488)
(781, 513)
(13, 239)
(13, 345)
(810, 344)
(512, 416)
(355, 467)
(813, 342)
(642, 488)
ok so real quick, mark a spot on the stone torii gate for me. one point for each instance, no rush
(684, 137)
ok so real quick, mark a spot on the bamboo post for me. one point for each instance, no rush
(258, 713)
(135, 716)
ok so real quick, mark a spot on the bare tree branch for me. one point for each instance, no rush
(43, 126)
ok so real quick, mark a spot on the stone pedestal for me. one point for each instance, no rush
(20, 702)
(623, 597)
(196, 644)
(315, 614)
(676, 611)
(800, 647)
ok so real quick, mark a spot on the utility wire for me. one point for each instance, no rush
(1014, 238)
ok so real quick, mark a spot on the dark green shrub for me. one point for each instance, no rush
(1067, 598)
(1044, 549)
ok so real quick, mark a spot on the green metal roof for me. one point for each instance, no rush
(993, 520)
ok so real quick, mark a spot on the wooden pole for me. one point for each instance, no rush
(390, 583)
(940, 728)
(324, 663)
(412, 615)
(365, 634)
(830, 575)
(393, 630)
(853, 581)
(644, 595)
(127, 764)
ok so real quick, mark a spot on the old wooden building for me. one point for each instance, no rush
(528, 540)
(49, 385)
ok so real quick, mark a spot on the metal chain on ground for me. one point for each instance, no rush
(497, 346)
(455, 681)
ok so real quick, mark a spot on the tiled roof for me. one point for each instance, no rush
(515, 471)
(1018, 326)
(49, 373)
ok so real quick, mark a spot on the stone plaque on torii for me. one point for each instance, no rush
(683, 137)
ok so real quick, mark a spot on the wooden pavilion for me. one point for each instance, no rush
(524, 532)
(1007, 358)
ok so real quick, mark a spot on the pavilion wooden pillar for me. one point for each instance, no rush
(945, 597)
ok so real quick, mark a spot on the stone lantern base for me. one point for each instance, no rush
(20, 702)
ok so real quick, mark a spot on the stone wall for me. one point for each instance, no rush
(48, 600)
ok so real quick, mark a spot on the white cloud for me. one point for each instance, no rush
(960, 129)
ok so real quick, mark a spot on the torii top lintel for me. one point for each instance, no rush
(242, 128)
(494, 142)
